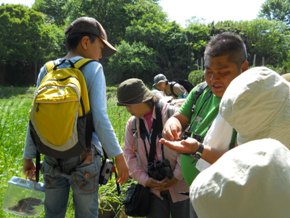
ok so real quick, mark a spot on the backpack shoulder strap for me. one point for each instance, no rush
(49, 66)
(171, 84)
(78, 64)
(82, 62)
(135, 136)
(135, 133)
(170, 109)
(200, 90)
(198, 93)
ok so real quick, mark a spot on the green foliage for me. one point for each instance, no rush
(135, 60)
(22, 37)
(54, 9)
(197, 36)
(143, 12)
(13, 121)
(149, 25)
(19, 27)
(267, 41)
(276, 10)
(196, 77)
(54, 38)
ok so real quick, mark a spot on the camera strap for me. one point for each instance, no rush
(156, 132)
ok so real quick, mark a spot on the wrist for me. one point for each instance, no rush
(198, 153)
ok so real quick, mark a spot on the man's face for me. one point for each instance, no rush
(219, 72)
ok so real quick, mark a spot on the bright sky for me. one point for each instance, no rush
(210, 10)
(23, 2)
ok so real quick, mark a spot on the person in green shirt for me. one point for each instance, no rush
(225, 58)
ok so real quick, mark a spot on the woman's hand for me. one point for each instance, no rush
(167, 183)
(122, 168)
(153, 183)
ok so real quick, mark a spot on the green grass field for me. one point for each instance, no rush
(15, 104)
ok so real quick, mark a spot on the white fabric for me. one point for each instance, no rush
(257, 105)
(249, 181)
(219, 135)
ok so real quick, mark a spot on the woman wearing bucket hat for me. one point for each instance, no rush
(143, 131)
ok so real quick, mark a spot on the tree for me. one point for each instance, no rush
(132, 60)
(267, 41)
(198, 36)
(111, 13)
(149, 25)
(276, 10)
(19, 32)
(25, 40)
(25, 36)
(54, 9)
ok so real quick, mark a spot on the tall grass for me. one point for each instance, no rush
(15, 104)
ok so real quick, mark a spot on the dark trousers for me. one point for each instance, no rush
(165, 208)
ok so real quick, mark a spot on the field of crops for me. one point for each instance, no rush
(15, 103)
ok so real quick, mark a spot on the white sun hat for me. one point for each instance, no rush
(250, 181)
(257, 105)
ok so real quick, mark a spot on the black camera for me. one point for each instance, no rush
(160, 170)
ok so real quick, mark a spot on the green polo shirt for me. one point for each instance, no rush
(201, 117)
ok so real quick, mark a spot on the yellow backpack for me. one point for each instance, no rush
(60, 118)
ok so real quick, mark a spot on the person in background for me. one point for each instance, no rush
(225, 58)
(173, 89)
(143, 131)
(85, 38)
(250, 180)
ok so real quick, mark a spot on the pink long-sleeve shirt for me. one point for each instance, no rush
(137, 160)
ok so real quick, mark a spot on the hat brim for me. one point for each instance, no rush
(161, 81)
(147, 98)
(108, 49)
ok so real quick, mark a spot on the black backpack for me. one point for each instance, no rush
(184, 82)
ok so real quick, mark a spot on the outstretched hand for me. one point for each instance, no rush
(187, 146)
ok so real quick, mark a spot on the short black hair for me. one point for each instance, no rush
(227, 43)
(72, 40)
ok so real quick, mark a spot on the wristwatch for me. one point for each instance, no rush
(199, 151)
